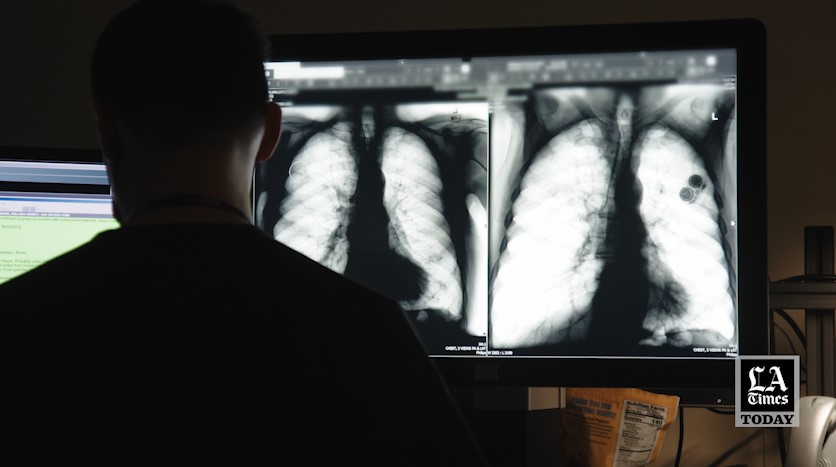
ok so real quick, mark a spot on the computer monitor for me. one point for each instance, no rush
(51, 201)
(552, 206)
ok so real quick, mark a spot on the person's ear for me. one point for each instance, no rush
(272, 132)
(106, 130)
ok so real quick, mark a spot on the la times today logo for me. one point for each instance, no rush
(766, 391)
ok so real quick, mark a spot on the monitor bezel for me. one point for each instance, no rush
(51, 154)
(699, 382)
(56, 155)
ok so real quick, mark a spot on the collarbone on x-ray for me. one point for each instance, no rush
(612, 205)
(597, 218)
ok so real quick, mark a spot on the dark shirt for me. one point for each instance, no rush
(214, 345)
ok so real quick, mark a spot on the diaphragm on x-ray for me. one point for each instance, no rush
(575, 220)
(393, 196)
(612, 215)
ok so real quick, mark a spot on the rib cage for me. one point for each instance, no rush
(547, 284)
(575, 227)
(314, 216)
(689, 260)
(547, 271)
(418, 229)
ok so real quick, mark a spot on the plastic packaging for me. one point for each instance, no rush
(617, 427)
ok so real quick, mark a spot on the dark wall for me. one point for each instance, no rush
(44, 47)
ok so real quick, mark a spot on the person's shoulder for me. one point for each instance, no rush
(212, 266)
(277, 258)
(56, 272)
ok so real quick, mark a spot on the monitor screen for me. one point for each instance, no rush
(565, 206)
(51, 201)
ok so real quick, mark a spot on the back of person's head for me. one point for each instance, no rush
(180, 72)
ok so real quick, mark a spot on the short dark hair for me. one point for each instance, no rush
(182, 71)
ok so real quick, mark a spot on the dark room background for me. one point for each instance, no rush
(45, 45)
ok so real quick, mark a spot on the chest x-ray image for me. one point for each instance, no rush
(394, 196)
(521, 219)
(612, 220)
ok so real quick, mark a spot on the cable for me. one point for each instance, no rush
(772, 326)
(681, 436)
(725, 456)
(789, 339)
(728, 453)
(792, 347)
(782, 446)
(797, 330)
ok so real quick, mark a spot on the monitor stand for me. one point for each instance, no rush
(815, 293)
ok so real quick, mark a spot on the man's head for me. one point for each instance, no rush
(175, 79)
(177, 71)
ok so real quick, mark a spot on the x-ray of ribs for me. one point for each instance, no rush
(611, 211)
(389, 195)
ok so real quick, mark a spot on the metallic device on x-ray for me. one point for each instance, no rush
(616, 207)
(511, 211)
